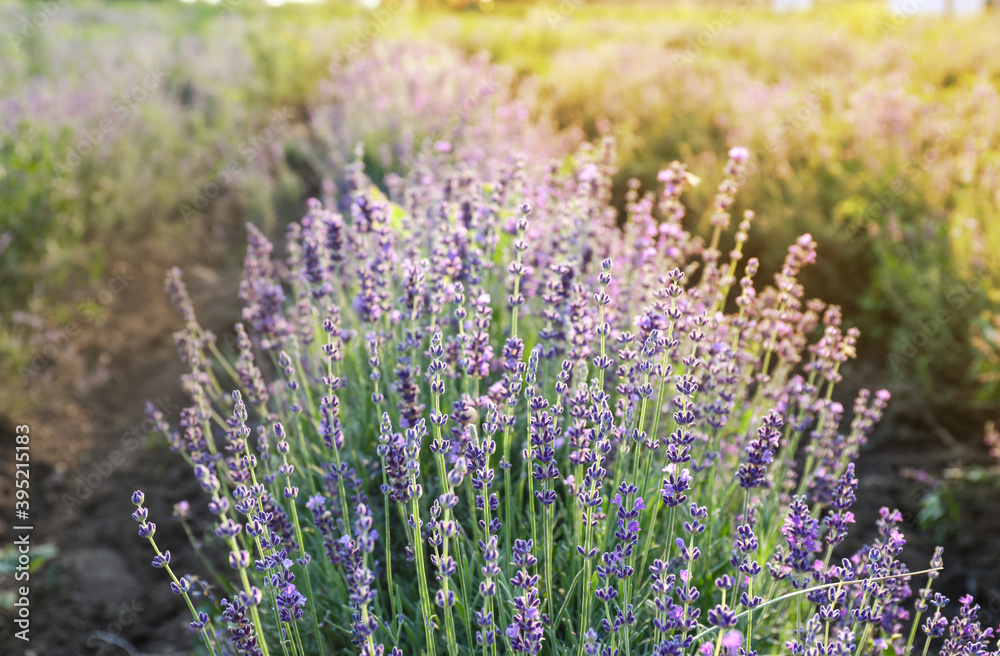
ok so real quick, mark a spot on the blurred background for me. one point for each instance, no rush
(138, 136)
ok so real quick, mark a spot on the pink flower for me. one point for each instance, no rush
(731, 642)
(739, 154)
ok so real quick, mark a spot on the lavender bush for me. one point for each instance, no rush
(498, 423)
(115, 123)
(403, 100)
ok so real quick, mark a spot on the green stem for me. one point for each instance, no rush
(302, 550)
(418, 552)
(816, 588)
(206, 632)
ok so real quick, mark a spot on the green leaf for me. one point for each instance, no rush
(38, 556)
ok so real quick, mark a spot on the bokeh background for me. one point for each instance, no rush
(138, 136)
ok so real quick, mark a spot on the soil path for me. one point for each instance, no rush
(89, 450)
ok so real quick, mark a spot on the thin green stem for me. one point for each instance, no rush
(418, 551)
(206, 631)
(816, 588)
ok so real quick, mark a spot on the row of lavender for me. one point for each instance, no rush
(115, 124)
(476, 416)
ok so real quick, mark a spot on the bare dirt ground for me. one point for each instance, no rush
(99, 595)
(89, 450)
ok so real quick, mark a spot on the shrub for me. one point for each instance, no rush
(101, 145)
(859, 133)
(499, 423)
(401, 99)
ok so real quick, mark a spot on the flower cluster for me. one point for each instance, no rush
(656, 450)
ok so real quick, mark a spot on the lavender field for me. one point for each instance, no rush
(472, 328)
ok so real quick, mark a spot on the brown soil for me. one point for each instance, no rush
(89, 451)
